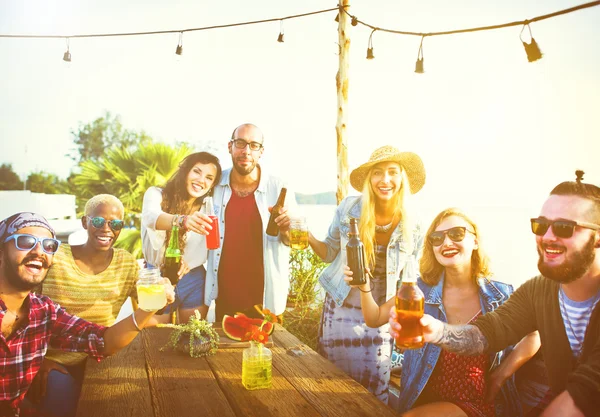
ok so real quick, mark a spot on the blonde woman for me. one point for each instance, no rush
(389, 235)
(455, 281)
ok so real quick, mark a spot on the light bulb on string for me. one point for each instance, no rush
(370, 46)
(179, 49)
(354, 21)
(67, 54)
(531, 49)
(419, 66)
(280, 37)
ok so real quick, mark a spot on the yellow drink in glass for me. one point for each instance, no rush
(298, 239)
(257, 367)
(151, 297)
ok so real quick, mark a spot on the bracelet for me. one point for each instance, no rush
(175, 220)
(183, 222)
(135, 322)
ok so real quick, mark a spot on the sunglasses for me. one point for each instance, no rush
(241, 144)
(456, 234)
(28, 242)
(561, 228)
(99, 222)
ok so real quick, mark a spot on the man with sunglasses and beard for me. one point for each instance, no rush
(561, 303)
(250, 267)
(93, 281)
(31, 323)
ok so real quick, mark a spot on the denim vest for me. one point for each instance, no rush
(332, 278)
(418, 364)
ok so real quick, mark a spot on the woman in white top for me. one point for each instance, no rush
(179, 202)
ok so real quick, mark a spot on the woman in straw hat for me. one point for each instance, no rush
(389, 235)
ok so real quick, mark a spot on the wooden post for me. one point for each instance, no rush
(342, 104)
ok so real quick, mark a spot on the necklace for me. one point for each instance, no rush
(383, 229)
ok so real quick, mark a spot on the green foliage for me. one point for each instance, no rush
(43, 182)
(203, 339)
(9, 180)
(91, 139)
(131, 241)
(303, 316)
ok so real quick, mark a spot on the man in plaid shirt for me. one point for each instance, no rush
(30, 323)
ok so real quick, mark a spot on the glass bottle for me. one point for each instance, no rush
(355, 252)
(257, 366)
(272, 228)
(410, 303)
(173, 257)
(151, 290)
(213, 239)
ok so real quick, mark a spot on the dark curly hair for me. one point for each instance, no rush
(175, 195)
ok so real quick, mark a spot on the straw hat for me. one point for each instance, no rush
(410, 162)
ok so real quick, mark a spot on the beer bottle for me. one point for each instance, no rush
(213, 239)
(410, 303)
(355, 252)
(172, 257)
(272, 228)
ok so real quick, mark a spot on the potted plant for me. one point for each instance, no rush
(196, 337)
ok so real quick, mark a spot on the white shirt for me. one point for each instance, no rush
(276, 255)
(153, 241)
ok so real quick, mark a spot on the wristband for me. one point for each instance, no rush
(182, 222)
(175, 220)
(135, 322)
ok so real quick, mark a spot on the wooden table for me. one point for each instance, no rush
(142, 381)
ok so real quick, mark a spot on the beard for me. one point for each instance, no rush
(244, 170)
(11, 273)
(571, 269)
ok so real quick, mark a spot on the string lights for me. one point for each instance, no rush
(67, 54)
(419, 68)
(531, 49)
(280, 37)
(370, 47)
(179, 49)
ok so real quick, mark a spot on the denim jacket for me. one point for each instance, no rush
(332, 278)
(418, 364)
(275, 253)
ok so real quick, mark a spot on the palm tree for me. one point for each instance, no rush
(127, 174)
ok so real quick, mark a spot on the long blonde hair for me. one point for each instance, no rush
(366, 224)
(431, 269)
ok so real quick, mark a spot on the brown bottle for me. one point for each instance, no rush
(410, 303)
(355, 252)
(272, 228)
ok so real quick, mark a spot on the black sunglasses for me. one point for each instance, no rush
(27, 242)
(99, 222)
(561, 228)
(241, 144)
(456, 234)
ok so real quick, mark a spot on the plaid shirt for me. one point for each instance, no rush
(22, 353)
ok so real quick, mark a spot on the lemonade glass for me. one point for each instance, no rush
(151, 290)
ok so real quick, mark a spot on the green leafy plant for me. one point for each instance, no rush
(303, 314)
(203, 339)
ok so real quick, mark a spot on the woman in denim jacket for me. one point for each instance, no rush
(386, 181)
(454, 281)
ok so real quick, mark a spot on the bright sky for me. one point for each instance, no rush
(492, 129)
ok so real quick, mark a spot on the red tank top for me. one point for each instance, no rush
(241, 270)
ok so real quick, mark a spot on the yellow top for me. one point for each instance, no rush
(96, 298)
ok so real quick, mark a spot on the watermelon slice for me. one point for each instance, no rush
(236, 327)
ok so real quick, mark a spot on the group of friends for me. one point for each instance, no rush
(59, 303)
